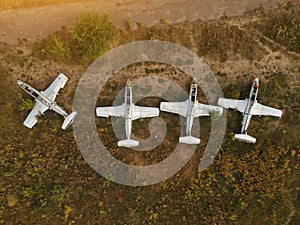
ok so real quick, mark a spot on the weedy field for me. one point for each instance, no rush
(45, 180)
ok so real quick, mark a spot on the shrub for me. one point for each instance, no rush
(128, 24)
(58, 48)
(27, 104)
(91, 35)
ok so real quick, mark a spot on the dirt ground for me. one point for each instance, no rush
(39, 22)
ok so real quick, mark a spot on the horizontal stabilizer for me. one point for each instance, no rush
(189, 140)
(245, 137)
(128, 143)
(69, 120)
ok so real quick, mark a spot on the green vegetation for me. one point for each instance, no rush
(139, 25)
(58, 193)
(91, 35)
(27, 104)
(87, 39)
(30, 192)
(128, 24)
(215, 115)
(58, 48)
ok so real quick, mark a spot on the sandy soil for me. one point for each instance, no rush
(38, 22)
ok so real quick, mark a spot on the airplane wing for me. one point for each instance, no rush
(117, 111)
(52, 91)
(31, 119)
(144, 112)
(205, 110)
(239, 105)
(262, 110)
(175, 107)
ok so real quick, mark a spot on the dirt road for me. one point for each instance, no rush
(38, 22)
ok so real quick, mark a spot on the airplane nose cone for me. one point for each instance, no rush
(19, 82)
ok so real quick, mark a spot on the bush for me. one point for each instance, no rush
(91, 35)
(128, 24)
(58, 48)
(27, 104)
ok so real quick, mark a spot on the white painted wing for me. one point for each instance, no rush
(175, 107)
(239, 105)
(117, 111)
(31, 119)
(262, 110)
(144, 112)
(52, 91)
(205, 110)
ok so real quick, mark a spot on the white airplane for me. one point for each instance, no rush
(129, 111)
(249, 107)
(45, 100)
(190, 109)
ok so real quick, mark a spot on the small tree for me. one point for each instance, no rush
(91, 35)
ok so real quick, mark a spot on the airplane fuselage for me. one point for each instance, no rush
(250, 103)
(40, 97)
(128, 110)
(192, 101)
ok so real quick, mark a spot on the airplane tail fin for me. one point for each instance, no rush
(189, 140)
(69, 120)
(128, 143)
(245, 137)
